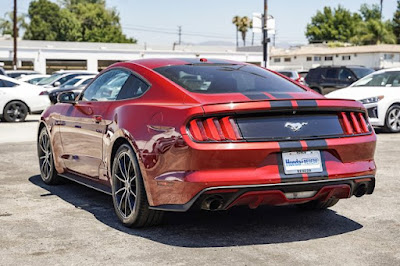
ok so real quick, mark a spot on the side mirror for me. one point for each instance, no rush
(66, 97)
(57, 84)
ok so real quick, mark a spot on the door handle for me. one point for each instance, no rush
(97, 118)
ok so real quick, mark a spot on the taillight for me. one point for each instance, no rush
(214, 129)
(44, 93)
(354, 123)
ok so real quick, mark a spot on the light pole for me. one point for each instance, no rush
(15, 35)
(265, 34)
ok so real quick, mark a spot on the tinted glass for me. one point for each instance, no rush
(224, 78)
(50, 79)
(345, 74)
(86, 82)
(362, 72)
(287, 74)
(386, 79)
(332, 73)
(133, 88)
(71, 82)
(7, 84)
(107, 86)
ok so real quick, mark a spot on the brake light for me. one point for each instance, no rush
(214, 129)
(44, 93)
(354, 123)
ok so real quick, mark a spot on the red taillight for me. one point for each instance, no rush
(44, 93)
(214, 129)
(354, 123)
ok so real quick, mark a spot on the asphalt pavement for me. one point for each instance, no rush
(70, 224)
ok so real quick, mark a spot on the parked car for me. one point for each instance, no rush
(292, 74)
(19, 73)
(76, 85)
(2, 72)
(326, 79)
(175, 134)
(380, 94)
(18, 99)
(60, 77)
(33, 79)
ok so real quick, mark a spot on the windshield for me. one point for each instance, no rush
(49, 80)
(362, 72)
(71, 82)
(226, 78)
(385, 79)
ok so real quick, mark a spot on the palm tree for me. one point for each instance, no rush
(374, 32)
(236, 21)
(6, 23)
(244, 27)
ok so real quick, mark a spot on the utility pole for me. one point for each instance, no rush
(180, 34)
(265, 34)
(15, 35)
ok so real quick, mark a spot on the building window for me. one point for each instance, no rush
(277, 60)
(388, 56)
(328, 58)
(288, 59)
(346, 57)
(309, 58)
(317, 58)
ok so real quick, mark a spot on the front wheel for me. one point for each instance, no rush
(46, 159)
(128, 192)
(15, 111)
(392, 121)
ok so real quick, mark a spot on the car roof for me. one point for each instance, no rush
(85, 77)
(156, 63)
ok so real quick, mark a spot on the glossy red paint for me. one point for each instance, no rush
(177, 168)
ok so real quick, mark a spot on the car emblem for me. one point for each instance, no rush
(295, 126)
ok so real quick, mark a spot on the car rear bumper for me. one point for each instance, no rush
(225, 197)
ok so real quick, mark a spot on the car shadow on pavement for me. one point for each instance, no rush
(237, 227)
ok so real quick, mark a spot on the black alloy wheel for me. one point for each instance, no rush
(128, 192)
(15, 111)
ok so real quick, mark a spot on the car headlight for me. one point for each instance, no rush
(372, 99)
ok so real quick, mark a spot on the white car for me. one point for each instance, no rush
(18, 99)
(33, 79)
(380, 94)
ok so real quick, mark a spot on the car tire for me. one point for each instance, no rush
(15, 111)
(392, 120)
(318, 205)
(128, 191)
(48, 171)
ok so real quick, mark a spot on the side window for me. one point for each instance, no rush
(7, 84)
(345, 74)
(133, 88)
(67, 78)
(331, 73)
(107, 86)
(86, 82)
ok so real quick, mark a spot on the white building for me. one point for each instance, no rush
(47, 56)
(311, 56)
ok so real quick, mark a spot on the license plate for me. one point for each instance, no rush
(302, 162)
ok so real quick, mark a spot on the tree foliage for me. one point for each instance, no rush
(396, 23)
(6, 24)
(74, 20)
(341, 25)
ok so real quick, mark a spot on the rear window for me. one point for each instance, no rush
(222, 78)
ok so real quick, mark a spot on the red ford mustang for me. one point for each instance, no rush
(174, 134)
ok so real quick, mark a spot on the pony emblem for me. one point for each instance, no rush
(295, 126)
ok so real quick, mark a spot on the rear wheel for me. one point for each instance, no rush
(128, 192)
(46, 160)
(392, 121)
(15, 111)
(318, 205)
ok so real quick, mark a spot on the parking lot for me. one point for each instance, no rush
(74, 225)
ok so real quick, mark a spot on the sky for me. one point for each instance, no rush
(155, 22)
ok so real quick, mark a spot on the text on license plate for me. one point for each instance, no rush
(302, 162)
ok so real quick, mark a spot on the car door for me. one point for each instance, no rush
(329, 81)
(82, 125)
(6, 92)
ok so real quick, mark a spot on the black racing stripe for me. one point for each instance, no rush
(281, 95)
(319, 176)
(290, 146)
(256, 96)
(307, 103)
(316, 144)
(281, 104)
(284, 177)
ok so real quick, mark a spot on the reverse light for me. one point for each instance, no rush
(372, 99)
(214, 129)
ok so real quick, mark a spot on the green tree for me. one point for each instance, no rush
(396, 22)
(374, 31)
(6, 24)
(244, 28)
(370, 12)
(75, 20)
(338, 24)
(236, 22)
